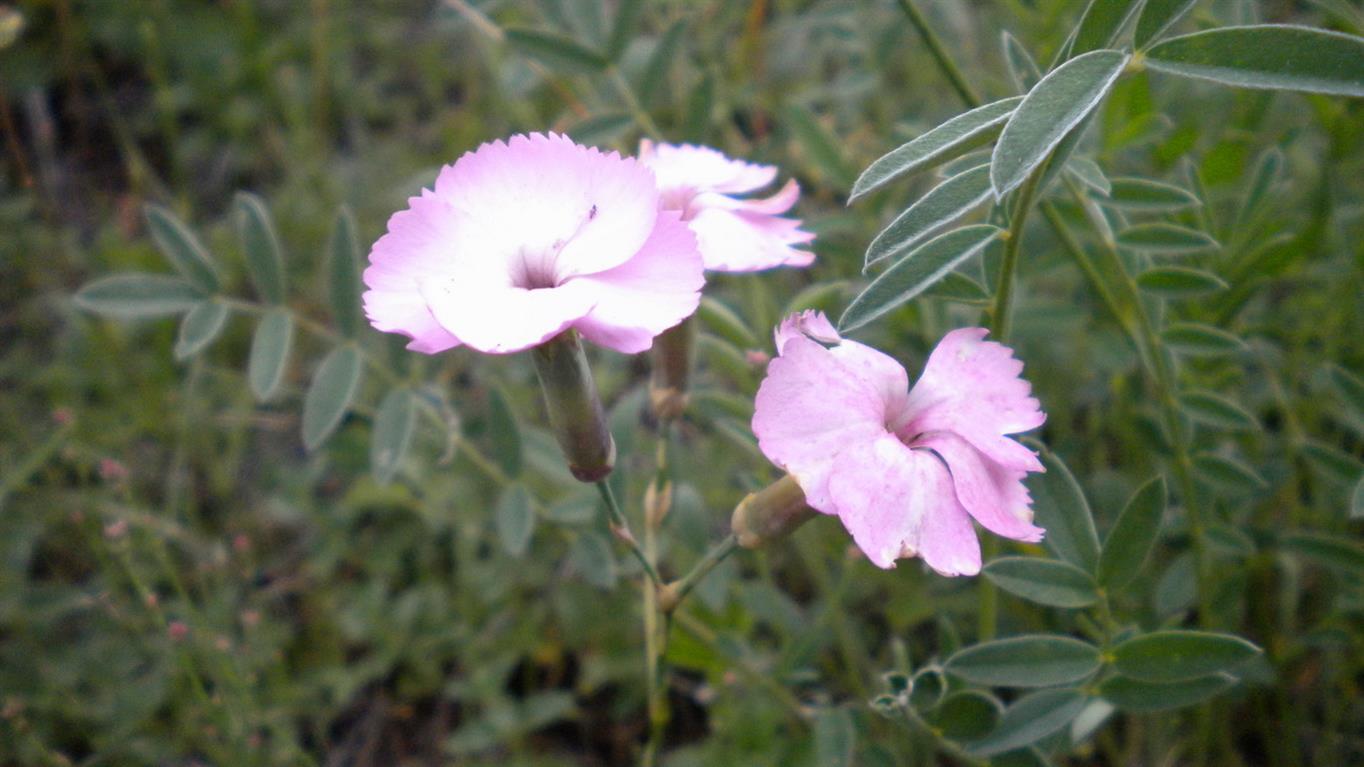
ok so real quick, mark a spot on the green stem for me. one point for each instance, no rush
(945, 62)
(678, 590)
(621, 528)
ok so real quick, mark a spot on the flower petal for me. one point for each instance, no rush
(699, 168)
(505, 319)
(972, 387)
(994, 495)
(655, 290)
(735, 241)
(809, 408)
(809, 323)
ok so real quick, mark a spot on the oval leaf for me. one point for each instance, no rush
(1337, 553)
(1166, 239)
(344, 276)
(1156, 18)
(952, 139)
(560, 53)
(1142, 697)
(1044, 581)
(134, 295)
(1179, 282)
(1026, 661)
(200, 327)
(914, 273)
(1197, 340)
(1177, 655)
(515, 520)
(1059, 102)
(504, 434)
(1030, 719)
(1146, 196)
(179, 245)
(835, 737)
(1133, 535)
(939, 207)
(966, 714)
(261, 245)
(1061, 509)
(1216, 410)
(1102, 22)
(1022, 68)
(330, 394)
(392, 435)
(270, 346)
(1227, 474)
(1274, 56)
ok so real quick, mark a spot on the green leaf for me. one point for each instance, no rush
(1357, 500)
(344, 277)
(1198, 340)
(1216, 410)
(1262, 181)
(700, 108)
(392, 434)
(179, 245)
(1045, 581)
(1133, 536)
(270, 346)
(1156, 19)
(264, 261)
(835, 737)
(1146, 196)
(1176, 588)
(1177, 655)
(1030, 719)
(818, 146)
(955, 286)
(1179, 282)
(601, 128)
(622, 26)
(1143, 697)
(591, 557)
(1037, 660)
(952, 139)
(1334, 463)
(1274, 56)
(515, 520)
(1022, 68)
(966, 714)
(914, 273)
(656, 71)
(1166, 239)
(330, 394)
(1061, 509)
(504, 434)
(200, 327)
(135, 295)
(722, 320)
(1090, 174)
(1102, 22)
(1336, 552)
(1227, 473)
(939, 207)
(1059, 102)
(1349, 387)
(562, 54)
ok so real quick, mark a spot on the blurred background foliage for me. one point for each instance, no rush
(182, 582)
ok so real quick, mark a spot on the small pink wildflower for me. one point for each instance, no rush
(904, 469)
(522, 240)
(735, 235)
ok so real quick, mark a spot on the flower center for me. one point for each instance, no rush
(536, 269)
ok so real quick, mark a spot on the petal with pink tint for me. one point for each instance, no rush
(995, 496)
(810, 408)
(655, 290)
(809, 324)
(699, 168)
(733, 241)
(506, 319)
(973, 388)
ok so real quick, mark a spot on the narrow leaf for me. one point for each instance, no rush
(1143, 697)
(515, 520)
(1197, 340)
(1022, 68)
(1179, 282)
(135, 295)
(952, 139)
(1333, 463)
(1166, 239)
(1061, 509)
(722, 320)
(1178, 655)
(1357, 500)
(179, 245)
(622, 26)
(392, 434)
(1134, 534)
(1147, 196)
(601, 128)
(504, 434)
(562, 54)
(835, 737)
(939, 207)
(200, 327)
(1266, 174)
(1156, 18)
(1274, 56)
(1037, 660)
(1101, 24)
(914, 273)
(1059, 102)
(955, 286)
(264, 261)
(651, 88)
(1216, 410)
(1090, 174)
(344, 278)
(1227, 473)
(270, 346)
(1030, 719)
(1350, 388)
(818, 145)
(330, 394)
(1048, 582)
(1336, 552)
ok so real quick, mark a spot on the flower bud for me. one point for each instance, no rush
(771, 513)
(674, 351)
(575, 411)
(658, 501)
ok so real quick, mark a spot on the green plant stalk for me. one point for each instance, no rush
(620, 527)
(678, 590)
(935, 46)
(657, 501)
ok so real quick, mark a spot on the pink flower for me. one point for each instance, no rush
(522, 240)
(904, 469)
(735, 235)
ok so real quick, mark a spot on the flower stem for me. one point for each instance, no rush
(620, 527)
(675, 592)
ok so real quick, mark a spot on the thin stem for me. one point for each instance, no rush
(945, 62)
(678, 590)
(632, 103)
(621, 528)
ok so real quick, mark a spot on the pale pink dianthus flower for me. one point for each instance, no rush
(906, 470)
(735, 234)
(522, 240)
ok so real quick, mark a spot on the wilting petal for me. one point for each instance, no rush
(655, 290)
(809, 408)
(972, 387)
(994, 495)
(733, 241)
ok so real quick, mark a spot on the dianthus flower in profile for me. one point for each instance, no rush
(522, 240)
(905, 469)
(735, 234)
